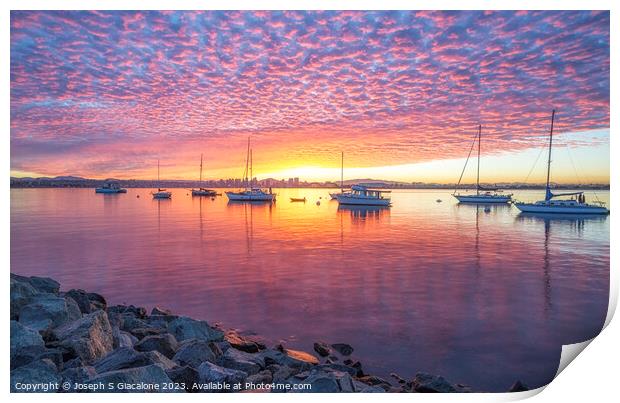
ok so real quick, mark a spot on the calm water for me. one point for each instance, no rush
(482, 298)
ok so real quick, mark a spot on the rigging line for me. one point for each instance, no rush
(467, 160)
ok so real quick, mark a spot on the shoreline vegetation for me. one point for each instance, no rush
(74, 341)
(78, 182)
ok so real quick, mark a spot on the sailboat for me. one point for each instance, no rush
(250, 193)
(202, 191)
(576, 205)
(483, 195)
(161, 193)
(334, 195)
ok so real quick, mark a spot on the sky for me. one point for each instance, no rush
(108, 93)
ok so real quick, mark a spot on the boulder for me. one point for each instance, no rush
(318, 381)
(194, 352)
(89, 337)
(136, 311)
(361, 387)
(160, 311)
(427, 383)
(247, 344)
(27, 355)
(79, 374)
(81, 298)
(142, 332)
(242, 361)
(280, 373)
(184, 375)
(21, 293)
(23, 337)
(97, 301)
(263, 377)
(123, 339)
(296, 361)
(209, 372)
(46, 311)
(122, 358)
(322, 349)
(338, 367)
(343, 348)
(41, 373)
(146, 379)
(45, 284)
(183, 328)
(372, 380)
(164, 343)
(161, 360)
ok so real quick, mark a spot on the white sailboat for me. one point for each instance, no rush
(202, 191)
(161, 193)
(483, 195)
(250, 193)
(574, 205)
(334, 195)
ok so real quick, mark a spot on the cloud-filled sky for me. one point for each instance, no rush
(107, 93)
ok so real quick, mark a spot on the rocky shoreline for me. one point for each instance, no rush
(74, 342)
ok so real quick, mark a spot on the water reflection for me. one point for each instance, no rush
(361, 213)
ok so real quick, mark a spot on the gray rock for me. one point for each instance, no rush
(123, 339)
(160, 359)
(97, 301)
(23, 337)
(138, 312)
(299, 362)
(142, 332)
(40, 372)
(78, 374)
(129, 322)
(372, 380)
(164, 343)
(427, 383)
(209, 372)
(184, 328)
(263, 377)
(46, 311)
(242, 361)
(319, 381)
(160, 311)
(151, 375)
(343, 348)
(81, 298)
(45, 284)
(122, 358)
(322, 349)
(21, 293)
(247, 344)
(281, 372)
(338, 367)
(194, 352)
(23, 356)
(89, 337)
(362, 387)
(184, 375)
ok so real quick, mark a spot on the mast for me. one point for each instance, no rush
(247, 161)
(342, 172)
(478, 173)
(251, 174)
(548, 194)
(158, 182)
(200, 169)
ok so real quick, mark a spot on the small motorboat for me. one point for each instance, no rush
(297, 199)
(110, 187)
(362, 195)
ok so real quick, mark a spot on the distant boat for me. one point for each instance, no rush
(250, 193)
(334, 195)
(483, 195)
(161, 193)
(202, 191)
(297, 199)
(576, 205)
(110, 187)
(363, 196)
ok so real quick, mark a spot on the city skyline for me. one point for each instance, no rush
(107, 94)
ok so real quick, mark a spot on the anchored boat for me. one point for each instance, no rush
(250, 193)
(363, 196)
(576, 205)
(110, 187)
(202, 191)
(161, 193)
(483, 195)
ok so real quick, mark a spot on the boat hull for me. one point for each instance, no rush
(110, 191)
(208, 193)
(232, 196)
(550, 209)
(483, 199)
(162, 195)
(361, 201)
